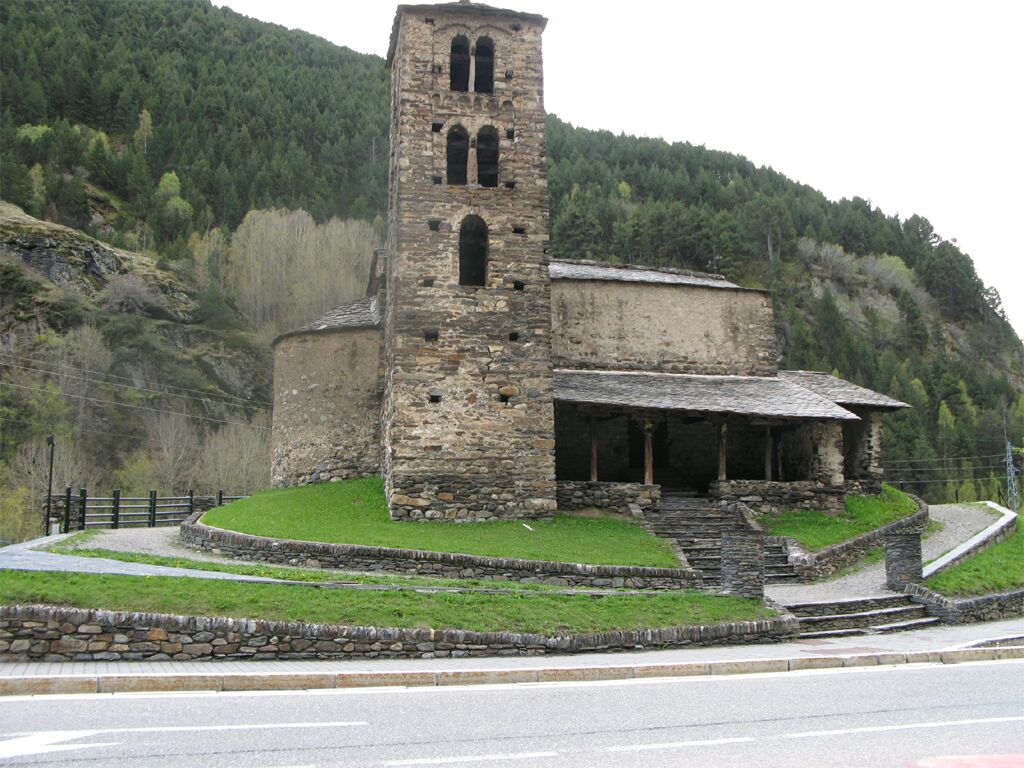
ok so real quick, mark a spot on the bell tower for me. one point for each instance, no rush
(467, 414)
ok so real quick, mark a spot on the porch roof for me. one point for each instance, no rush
(840, 391)
(767, 397)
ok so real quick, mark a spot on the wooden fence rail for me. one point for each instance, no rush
(81, 511)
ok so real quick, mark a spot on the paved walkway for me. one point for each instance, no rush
(960, 522)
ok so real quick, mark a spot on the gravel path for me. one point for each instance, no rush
(152, 541)
(961, 522)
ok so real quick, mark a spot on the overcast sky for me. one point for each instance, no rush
(915, 105)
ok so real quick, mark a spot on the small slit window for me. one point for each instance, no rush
(430, 335)
(434, 224)
(518, 230)
(504, 398)
(510, 185)
(473, 251)
(458, 154)
(436, 126)
(513, 336)
(510, 133)
(459, 67)
(434, 398)
(483, 82)
(518, 285)
(428, 282)
(487, 156)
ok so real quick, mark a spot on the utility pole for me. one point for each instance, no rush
(1013, 498)
(50, 441)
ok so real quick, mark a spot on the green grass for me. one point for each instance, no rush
(71, 546)
(998, 569)
(525, 612)
(815, 530)
(355, 512)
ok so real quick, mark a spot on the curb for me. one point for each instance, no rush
(25, 685)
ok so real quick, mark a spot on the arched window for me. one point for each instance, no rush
(487, 156)
(484, 80)
(458, 154)
(473, 251)
(459, 66)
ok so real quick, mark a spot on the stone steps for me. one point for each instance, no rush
(860, 616)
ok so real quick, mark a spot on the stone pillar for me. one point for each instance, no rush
(903, 558)
(768, 453)
(827, 453)
(648, 452)
(722, 434)
(743, 564)
(593, 449)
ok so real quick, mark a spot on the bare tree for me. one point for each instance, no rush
(236, 458)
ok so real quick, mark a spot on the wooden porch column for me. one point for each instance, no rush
(648, 453)
(767, 453)
(593, 449)
(722, 429)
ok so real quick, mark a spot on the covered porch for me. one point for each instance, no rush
(697, 434)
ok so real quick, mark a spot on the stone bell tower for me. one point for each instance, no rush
(467, 415)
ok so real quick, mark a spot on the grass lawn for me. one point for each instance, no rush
(998, 569)
(525, 612)
(73, 545)
(355, 512)
(815, 530)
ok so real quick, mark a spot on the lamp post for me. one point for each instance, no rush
(50, 441)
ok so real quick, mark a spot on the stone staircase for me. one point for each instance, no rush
(696, 526)
(777, 568)
(860, 616)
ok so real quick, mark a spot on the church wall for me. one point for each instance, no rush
(327, 390)
(668, 328)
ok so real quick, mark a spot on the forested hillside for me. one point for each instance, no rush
(246, 165)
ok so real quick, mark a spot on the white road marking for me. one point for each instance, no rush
(193, 728)
(904, 727)
(472, 758)
(41, 743)
(678, 744)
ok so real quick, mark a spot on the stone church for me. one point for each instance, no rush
(484, 380)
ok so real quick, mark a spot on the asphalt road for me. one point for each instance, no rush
(872, 717)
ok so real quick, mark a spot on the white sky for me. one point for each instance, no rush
(915, 105)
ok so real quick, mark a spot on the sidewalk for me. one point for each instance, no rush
(945, 645)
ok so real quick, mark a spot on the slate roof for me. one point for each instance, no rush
(363, 312)
(840, 391)
(739, 395)
(593, 270)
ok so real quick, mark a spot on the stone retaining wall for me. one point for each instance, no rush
(769, 497)
(415, 562)
(612, 497)
(47, 633)
(968, 610)
(815, 565)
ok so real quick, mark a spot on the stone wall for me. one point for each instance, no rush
(327, 390)
(1002, 605)
(468, 422)
(743, 564)
(771, 497)
(414, 562)
(667, 328)
(612, 497)
(47, 633)
(816, 565)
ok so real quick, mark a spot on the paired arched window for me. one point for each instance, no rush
(473, 251)
(487, 156)
(478, 68)
(459, 66)
(458, 154)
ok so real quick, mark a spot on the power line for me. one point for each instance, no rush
(123, 386)
(76, 428)
(143, 408)
(933, 459)
(128, 378)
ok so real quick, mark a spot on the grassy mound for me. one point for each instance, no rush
(355, 512)
(997, 569)
(521, 612)
(815, 530)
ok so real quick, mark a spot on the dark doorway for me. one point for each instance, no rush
(473, 251)
(459, 65)
(458, 154)
(487, 156)
(483, 82)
